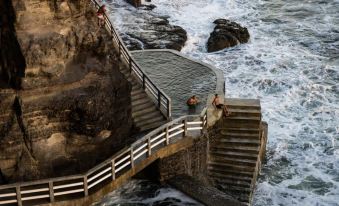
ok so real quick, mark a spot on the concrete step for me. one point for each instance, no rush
(143, 112)
(142, 106)
(234, 161)
(239, 193)
(241, 124)
(239, 140)
(232, 147)
(233, 182)
(243, 118)
(230, 176)
(230, 171)
(240, 135)
(226, 166)
(235, 154)
(240, 130)
(142, 123)
(140, 102)
(139, 96)
(137, 91)
(242, 103)
(147, 116)
(152, 125)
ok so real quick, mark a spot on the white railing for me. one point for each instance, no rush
(78, 186)
(162, 101)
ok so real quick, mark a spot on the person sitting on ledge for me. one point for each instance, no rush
(100, 13)
(218, 105)
(192, 101)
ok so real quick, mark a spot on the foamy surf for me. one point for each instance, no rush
(291, 64)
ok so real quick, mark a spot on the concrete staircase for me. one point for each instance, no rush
(145, 114)
(234, 154)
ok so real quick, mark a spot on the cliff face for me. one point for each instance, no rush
(64, 105)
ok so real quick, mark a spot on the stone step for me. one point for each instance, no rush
(139, 96)
(242, 103)
(142, 123)
(239, 140)
(240, 130)
(229, 147)
(152, 125)
(143, 112)
(235, 154)
(230, 171)
(140, 102)
(137, 91)
(233, 182)
(230, 176)
(243, 118)
(226, 166)
(241, 194)
(240, 135)
(149, 115)
(234, 161)
(142, 106)
(241, 124)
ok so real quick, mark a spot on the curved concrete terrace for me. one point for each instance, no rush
(180, 77)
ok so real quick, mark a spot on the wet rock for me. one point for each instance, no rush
(226, 34)
(155, 32)
(63, 98)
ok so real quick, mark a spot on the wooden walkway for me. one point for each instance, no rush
(89, 187)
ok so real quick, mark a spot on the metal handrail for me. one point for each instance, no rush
(158, 95)
(111, 169)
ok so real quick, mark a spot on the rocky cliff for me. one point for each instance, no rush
(62, 97)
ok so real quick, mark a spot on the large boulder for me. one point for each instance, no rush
(154, 32)
(226, 34)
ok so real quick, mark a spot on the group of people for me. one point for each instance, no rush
(193, 101)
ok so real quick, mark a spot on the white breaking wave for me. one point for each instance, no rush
(291, 64)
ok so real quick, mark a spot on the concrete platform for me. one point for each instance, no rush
(181, 77)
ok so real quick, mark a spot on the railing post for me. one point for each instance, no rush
(167, 136)
(119, 53)
(149, 148)
(130, 64)
(85, 186)
(51, 191)
(18, 195)
(202, 125)
(143, 82)
(159, 99)
(113, 169)
(185, 128)
(132, 157)
(168, 109)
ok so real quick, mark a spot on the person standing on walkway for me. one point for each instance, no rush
(101, 15)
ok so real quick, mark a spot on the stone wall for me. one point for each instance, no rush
(62, 97)
(191, 161)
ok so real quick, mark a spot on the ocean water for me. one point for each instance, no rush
(292, 64)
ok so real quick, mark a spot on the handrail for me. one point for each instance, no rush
(163, 102)
(110, 169)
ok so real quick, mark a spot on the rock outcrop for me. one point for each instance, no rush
(63, 102)
(154, 32)
(226, 34)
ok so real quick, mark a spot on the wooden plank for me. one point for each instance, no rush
(5, 202)
(176, 133)
(100, 180)
(34, 191)
(100, 173)
(68, 192)
(35, 197)
(67, 185)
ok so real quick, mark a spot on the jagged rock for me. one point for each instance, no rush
(226, 34)
(155, 32)
(63, 102)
